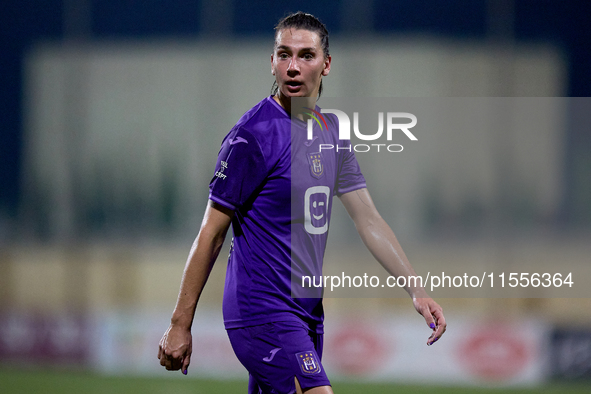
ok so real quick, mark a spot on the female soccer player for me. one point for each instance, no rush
(267, 183)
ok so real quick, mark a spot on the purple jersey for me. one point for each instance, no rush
(280, 186)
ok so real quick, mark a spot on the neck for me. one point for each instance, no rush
(285, 102)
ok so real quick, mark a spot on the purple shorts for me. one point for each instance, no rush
(275, 353)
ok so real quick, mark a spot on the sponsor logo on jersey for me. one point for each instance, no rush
(309, 362)
(237, 140)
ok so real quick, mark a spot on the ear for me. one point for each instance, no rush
(272, 65)
(326, 68)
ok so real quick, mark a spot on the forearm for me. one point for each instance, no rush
(384, 246)
(202, 257)
(379, 238)
(382, 243)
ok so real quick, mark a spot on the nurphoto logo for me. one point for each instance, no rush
(393, 125)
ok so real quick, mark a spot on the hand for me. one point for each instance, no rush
(433, 315)
(175, 349)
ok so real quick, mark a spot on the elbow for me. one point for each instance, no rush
(219, 240)
(213, 236)
(367, 222)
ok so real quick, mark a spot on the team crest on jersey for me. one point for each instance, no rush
(309, 362)
(316, 165)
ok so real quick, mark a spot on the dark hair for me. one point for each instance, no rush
(301, 20)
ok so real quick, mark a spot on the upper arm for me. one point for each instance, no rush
(360, 206)
(240, 169)
(216, 220)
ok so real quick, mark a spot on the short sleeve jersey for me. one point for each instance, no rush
(280, 186)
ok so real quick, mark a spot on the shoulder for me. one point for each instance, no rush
(260, 118)
(266, 124)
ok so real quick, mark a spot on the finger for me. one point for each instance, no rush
(186, 363)
(164, 361)
(426, 312)
(176, 359)
(176, 364)
(171, 364)
(168, 360)
(437, 312)
(441, 327)
(433, 338)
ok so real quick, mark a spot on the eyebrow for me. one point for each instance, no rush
(285, 47)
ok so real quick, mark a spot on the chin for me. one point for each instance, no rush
(297, 94)
(289, 94)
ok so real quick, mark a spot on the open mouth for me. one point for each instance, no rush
(293, 84)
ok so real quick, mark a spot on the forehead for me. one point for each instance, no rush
(297, 38)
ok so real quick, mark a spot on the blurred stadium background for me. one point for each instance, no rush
(112, 115)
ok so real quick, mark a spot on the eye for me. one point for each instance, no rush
(308, 56)
(283, 55)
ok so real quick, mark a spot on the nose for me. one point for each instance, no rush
(294, 67)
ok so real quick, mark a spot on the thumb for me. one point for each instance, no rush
(430, 321)
(423, 308)
(426, 312)
(186, 363)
